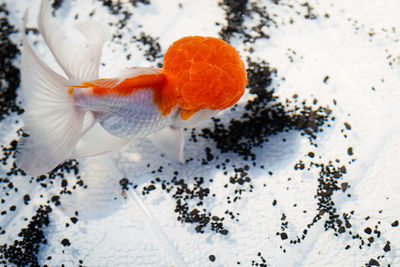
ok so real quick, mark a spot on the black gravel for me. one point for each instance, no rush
(256, 121)
(56, 4)
(9, 74)
(24, 251)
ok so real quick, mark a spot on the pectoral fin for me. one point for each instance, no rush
(171, 142)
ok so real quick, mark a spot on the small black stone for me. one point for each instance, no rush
(27, 198)
(55, 198)
(212, 258)
(64, 183)
(284, 236)
(350, 151)
(124, 182)
(344, 186)
(224, 232)
(373, 262)
(65, 242)
(395, 223)
(387, 247)
(368, 230)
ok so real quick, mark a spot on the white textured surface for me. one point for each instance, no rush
(113, 231)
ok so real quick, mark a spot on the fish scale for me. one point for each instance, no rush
(126, 116)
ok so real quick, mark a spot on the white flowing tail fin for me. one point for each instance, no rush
(79, 60)
(53, 122)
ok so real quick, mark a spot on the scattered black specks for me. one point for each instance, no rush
(235, 11)
(152, 49)
(147, 189)
(261, 263)
(24, 252)
(309, 14)
(117, 7)
(9, 74)
(264, 116)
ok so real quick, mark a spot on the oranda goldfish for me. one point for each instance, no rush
(79, 114)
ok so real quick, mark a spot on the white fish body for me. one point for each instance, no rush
(62, 124)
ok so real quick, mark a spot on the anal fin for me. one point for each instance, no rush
(98, 141)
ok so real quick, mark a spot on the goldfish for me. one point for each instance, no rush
(77, 114)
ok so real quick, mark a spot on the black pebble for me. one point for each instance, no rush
(65, 242)
(64, 183)
(350, 151)
(27, 198)
(387, 247)
(212, 258)
(373, 262)
(124, 182)
(224, 232)
(284, 236)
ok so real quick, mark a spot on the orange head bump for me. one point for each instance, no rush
(203, 73)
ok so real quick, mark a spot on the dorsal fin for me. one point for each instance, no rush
(104, 83)
(133, 71)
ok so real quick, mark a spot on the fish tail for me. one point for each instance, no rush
(51, 118)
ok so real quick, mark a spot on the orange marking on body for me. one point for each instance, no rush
(127, 86)
(155, 82)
